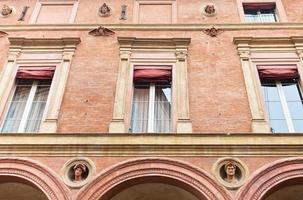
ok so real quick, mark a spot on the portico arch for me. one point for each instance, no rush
(36, 174)
(153, 170)
(273, 175)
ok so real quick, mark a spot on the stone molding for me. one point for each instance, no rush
(270, 176)
(199, 181)
(36, 173)
(153, 27)
(212, 145)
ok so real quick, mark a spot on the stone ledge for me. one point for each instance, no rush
(151, 145)
(152, 27)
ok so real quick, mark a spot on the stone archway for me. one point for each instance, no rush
(36, 174)
(146, 170)
(270, 176)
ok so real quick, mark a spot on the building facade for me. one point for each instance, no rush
(151, 99)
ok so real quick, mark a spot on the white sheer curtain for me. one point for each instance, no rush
(162, 113)
(19, 102)
(17, 106)
(38, 106)
(140, 109)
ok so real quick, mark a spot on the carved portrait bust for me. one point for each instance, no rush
(79, 172)
(230, 172)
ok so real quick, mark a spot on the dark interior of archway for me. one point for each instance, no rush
(288, 190)
(14, 188)
(154, 179)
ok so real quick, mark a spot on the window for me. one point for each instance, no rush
(28, 103)
(147, 57)
(283, 97)
(151, 107)
(260, 12)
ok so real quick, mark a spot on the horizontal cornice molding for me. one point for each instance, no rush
(151, 145)
(21, 41)
(153, 27)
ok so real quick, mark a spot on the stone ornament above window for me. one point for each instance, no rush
(104, 10)
(209, 10)
(212, 32)
(101, 31)
(77, 172)
(230, 172)
(6, 10)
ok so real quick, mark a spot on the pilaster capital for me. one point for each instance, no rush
(244, 54)
(67, 56)
(125, 55)
(12, 56)
(181, 55)
(300, 53)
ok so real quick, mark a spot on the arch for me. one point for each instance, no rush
(37, 174)
(191, 177)
(270, 176)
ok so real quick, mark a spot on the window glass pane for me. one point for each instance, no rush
(139, 120)
(38, 106)
(274, 107)
(17, 105)
(279, 126)
(293, 97)
(298, 125)
(162, 119)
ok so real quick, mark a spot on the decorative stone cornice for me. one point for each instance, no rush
(151, 144)
(133, 42)
(34, 42)
(153, 27)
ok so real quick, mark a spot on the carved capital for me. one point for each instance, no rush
(67, 56)
(244, 54)
(125, 55)
(12, 56)
(300, 53)
(181, 55)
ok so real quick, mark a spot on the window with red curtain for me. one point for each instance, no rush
(282, 96)
(260, 12)
(151, 107)
(28, 103)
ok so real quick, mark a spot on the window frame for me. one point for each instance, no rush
(280, 12)
(151, 106)
(254, 51)
(27, 108)
(56, 52)
(40, 3)
(152, 51)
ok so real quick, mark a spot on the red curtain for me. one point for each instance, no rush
(278, 72)
(259, 6)
(150, 74)
(37, 73)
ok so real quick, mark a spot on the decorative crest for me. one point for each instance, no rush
(209, 10)
(101, 31)
(104, 10)
(212, 32)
